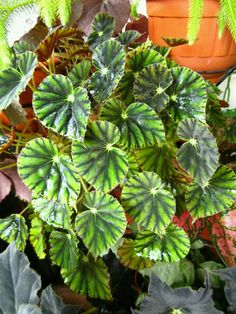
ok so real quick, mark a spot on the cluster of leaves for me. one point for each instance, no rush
(123, 118)
(15, 274)
(67, 12)
(163, 299)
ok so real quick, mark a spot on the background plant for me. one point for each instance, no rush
(226, 18)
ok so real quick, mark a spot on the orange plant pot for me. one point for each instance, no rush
(209, 55)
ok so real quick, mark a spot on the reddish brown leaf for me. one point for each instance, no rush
(5, 186)
(119, 9)
(20, 188)
(47, 46)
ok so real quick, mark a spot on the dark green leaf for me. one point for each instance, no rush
(229, 275)
(18, 283)
(171, 246)
(128, 37)
(14, 228)
(129, 258)
(63, 251)
(14, 81)
(102, 29)
(157, 158)
(79, 73)
(61, 107)
(145, 199)
(151, 85)
(139, 124)
(109, 59)
(210, 268)
(90, 278)
(98, 161)
(102, 225)
(126, 87)
(162, 299)
(47, 172)
(188, 95)
(215, 196)
(37, 237)
(53, 213)
(141, 57)
(201, 146)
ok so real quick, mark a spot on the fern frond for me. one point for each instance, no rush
(65, 10)
(222, 21)
(8, 8)
(48, 11)
(195, 15)
(229, 6)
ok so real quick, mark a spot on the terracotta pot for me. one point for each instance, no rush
(209, 55)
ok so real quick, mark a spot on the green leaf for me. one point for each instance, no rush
(128, 37)
(210, 268)
(162, 299)
(80, 73)
(102, 225)
(158, 158)
(103, 27)
(188, 95)
(55, 214)
(98, 161)
(151, 85)
(201, 146)
(126, 87)
(37, 237)
(141, 57)
(39, 159)
(145, 199)
(109, 60)
(215, 196)
(129, 258)
(63, 251)
(18, 283)
(14, 228)
(90, 278)
(166, 272)
(133, 165)
(171, 246)
(139, 124)
(61, 107)
(14, 81)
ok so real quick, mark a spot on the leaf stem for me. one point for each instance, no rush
(8, 166)
(83, 184)
(25, 209)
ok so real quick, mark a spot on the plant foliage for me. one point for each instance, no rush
(122, 142)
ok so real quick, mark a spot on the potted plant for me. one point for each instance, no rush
(127, 141)
(208, 26)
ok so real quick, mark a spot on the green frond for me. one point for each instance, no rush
(229, 7)
(10, 12)
(222, 21)
(195, 15)
(48, 10)
(65, 10)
